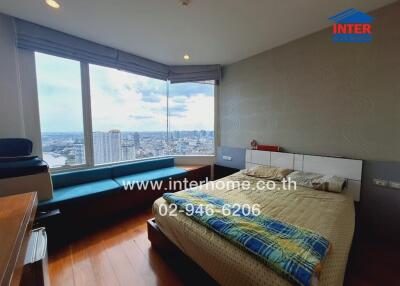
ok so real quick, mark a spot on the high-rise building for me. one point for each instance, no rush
(128, 152)
(79, 153)
(107, 146)
(115, 145)
(98, 147)
(136, 140)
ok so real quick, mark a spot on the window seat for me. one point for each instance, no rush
(87, 200)
(160, 174)
(84, 184)
(92, 189)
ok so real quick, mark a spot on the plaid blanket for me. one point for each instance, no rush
(292, 252)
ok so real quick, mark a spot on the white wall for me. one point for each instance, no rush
(19, 111)
(11, 116)
(29, 99)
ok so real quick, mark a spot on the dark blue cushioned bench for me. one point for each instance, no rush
(105, 180)
(146, 171)
(22, 166)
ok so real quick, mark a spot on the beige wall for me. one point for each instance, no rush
(316, 96)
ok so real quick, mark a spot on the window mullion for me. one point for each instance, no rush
(168, 143)
(87, 114)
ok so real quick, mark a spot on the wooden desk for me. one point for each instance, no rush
(16, 217)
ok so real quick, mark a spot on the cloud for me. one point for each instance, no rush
(197, 114)
(178, 99)
(178, 110)
(191, 89)
(127, 87)
(140, 117)
(120, 100)
(128, 105)
(148, 96)
(47, 88)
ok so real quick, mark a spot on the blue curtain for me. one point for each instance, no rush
(38, 38)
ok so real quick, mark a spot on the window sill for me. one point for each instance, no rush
(179, 160)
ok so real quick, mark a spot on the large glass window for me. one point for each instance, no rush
(191, 118)
(129, 115)
(60, 107)
(132, 117)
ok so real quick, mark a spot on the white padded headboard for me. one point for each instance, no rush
(345, 168)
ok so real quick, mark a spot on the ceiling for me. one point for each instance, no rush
(210, 31)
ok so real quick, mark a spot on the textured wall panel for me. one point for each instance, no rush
(314, 96)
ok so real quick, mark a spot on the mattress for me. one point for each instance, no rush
(329, 214)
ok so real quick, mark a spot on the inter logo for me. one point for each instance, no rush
(352, 26)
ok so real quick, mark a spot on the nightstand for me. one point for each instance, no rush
(222, 171)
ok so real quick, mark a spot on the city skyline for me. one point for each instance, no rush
(68, 148)
(128, 131)
(132, 116)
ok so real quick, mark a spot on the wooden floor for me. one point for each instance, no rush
(121, 254)
(118, 255)
(373, 264)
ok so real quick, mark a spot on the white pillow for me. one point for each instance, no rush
(318, 181)
(271, 173)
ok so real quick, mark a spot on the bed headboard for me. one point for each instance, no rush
(346, 168)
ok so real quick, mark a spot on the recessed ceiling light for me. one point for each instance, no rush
(53, 4)
(186, 57)
(185, 2)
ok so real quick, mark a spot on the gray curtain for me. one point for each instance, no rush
(194, 73)
(142, 66)
(38, 38)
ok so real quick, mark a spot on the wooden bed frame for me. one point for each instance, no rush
(349, 169)
(191, 273)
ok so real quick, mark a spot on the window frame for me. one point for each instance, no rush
(216, 101)
(88, 127)
(87, 114)
(65, 167)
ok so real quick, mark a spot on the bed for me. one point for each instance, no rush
(329, 214)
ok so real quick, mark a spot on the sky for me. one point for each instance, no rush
(119, 100)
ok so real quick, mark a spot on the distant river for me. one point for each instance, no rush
(54, 160)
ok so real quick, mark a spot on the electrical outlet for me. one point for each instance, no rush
(394, 185)
(380, 183)
(227, 158)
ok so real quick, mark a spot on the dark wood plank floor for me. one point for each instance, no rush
(373, 263)
(120, 254)
(117, 255)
